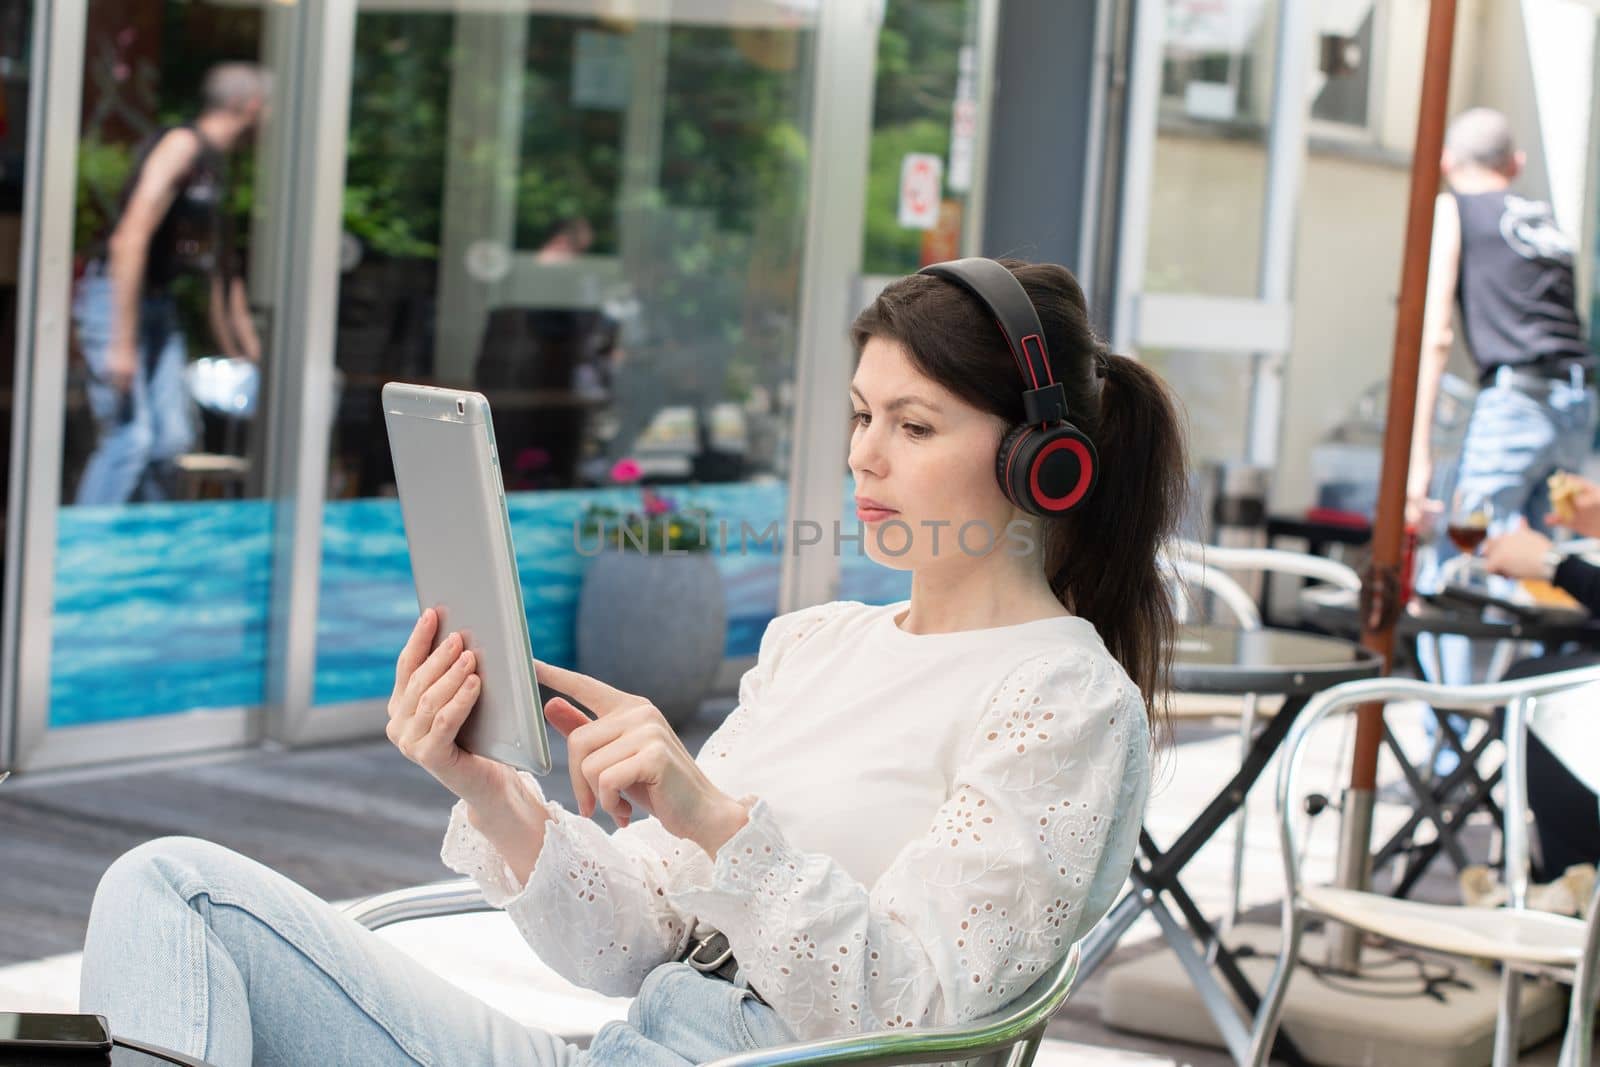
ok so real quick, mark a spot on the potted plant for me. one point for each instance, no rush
(652, 619)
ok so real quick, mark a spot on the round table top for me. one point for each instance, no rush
(1224, 659)
(1335, 609)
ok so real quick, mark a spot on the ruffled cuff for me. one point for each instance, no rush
(467, 851)
(719, 892)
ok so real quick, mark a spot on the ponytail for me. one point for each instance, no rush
(1102, 557)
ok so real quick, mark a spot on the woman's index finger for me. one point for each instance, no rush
(589, 694)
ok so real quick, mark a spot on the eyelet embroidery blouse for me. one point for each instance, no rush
(934, 820)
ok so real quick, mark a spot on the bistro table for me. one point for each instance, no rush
(1447, 802)
(1335, 610)
(1224, 660)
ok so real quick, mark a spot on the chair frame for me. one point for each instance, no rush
(1519, 697)
(1208, 567)
(1009, 1036)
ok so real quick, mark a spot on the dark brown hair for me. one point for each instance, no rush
(1102, 556)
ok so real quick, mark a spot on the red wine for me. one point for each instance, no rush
(1467, 538)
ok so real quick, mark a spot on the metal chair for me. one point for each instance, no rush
(1211, 568)
(1008, 1037)
(1523, 941)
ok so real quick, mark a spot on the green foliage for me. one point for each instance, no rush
(102, 170)
(399, 110)
(918, 65)
(570, 161)
(891, 248)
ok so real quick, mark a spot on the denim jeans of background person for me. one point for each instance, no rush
(140, 432)
(240, 965)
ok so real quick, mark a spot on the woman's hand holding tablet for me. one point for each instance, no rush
(433, 694)
(629, 746)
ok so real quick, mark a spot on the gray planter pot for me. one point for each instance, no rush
(654, 625)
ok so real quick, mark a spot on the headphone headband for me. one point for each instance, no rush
(1014, 313)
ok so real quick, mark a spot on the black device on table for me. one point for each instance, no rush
(38, 1033)
(1461, 596)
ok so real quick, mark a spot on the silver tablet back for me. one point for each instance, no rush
(459, 533)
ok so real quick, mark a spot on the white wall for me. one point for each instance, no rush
(1533, 59)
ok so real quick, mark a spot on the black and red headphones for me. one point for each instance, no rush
(1046, 465)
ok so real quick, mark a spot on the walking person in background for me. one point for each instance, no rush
(171, 220)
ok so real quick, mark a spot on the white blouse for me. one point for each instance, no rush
(936, 819)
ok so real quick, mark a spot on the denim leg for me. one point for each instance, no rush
(681, 1018)
(1578, 413)
(1514, 441)
(202, 950)
(124, 434)
(171, 411)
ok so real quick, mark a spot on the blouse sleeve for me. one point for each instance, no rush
(1031, 847)
(595, 907)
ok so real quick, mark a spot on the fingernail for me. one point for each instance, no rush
(464, 658)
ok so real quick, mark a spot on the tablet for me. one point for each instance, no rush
(454, 506)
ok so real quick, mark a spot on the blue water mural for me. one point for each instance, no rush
(162, 608)
(159, 608)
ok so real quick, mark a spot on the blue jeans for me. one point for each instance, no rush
(1515, 440)
(204, 951)
(142, 430)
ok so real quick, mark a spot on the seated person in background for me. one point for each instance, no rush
(1566, 810)
(914, 812)
(1526, 554)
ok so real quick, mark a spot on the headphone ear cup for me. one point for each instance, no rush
(1047, 472)
(1006, 459)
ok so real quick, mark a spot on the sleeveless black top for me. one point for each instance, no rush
(1516, 287)
(194, 235)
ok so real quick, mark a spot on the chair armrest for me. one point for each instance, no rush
(1024, 1018)
(1274, 561)
(458, 896)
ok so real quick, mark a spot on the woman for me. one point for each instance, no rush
(914, 811)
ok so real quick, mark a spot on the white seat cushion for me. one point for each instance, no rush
(484, 954)
(1483, 933)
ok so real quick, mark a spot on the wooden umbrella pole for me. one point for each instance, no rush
(1380, 592)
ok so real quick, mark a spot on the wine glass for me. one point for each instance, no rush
(1467, 525)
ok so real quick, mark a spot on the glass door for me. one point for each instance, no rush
(599, 222)
(142, 620)
(16, 92)
(1218, 101)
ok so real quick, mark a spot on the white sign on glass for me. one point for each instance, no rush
(921, 186)
(963, 122)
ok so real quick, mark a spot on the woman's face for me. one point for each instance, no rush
(917, 449)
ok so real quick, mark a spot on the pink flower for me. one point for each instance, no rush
(626, 470)
(655, 505)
